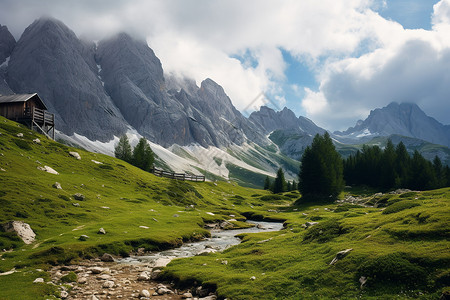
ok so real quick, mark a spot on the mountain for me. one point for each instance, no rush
(7, 44)
(49, 59)
(405, 119)
(290, 133)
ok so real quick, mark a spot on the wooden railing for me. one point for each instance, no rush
(178, 176)
(40, 116)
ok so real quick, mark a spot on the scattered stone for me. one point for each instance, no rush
(64, 294)
(101, 231)
(155, 275)
(37, 141)
(83, 237)
(76, 204)
(104, 207)
(226, 225)
(3, 170)
(57, 186)
(362, 280)
(253, 278)
(186, 295)
(22, 229)
(104, 277)
(48, 170)
(108, 284)
(97, 270)
(79, 197)
(340, 255)
(92, 297)
(75, 154)
(144, 227)
(82, 280)
(155, 220)
(162, 262)
(20, 134)
(144, 276)
(201, 292)
(39, 280)
(210, 297)
(176, 215)
(106, 257)
(210, 213)
(144, 293)
(224, 262)
(97, 162)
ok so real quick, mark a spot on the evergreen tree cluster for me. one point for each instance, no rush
(280, 184)
(393, 167)
(141, 156)
(321, 170)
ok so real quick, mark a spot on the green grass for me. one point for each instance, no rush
(407, 239)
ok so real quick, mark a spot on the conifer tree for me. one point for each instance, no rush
(267, 183)
(143, 156)
(123, 149)
(321, 171)
(279, 185)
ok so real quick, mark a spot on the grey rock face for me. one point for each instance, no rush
(49, 59)
(405, 119)
(7, 43)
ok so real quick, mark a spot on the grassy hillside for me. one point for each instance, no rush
(407, 241)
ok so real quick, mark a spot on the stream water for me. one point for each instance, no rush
(219, 241)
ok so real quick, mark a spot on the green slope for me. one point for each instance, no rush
(408, 241)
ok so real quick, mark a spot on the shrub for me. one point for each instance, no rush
(393, 268)
(399, 206)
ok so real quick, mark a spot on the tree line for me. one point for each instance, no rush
(323, 172)
(141, 156)
(393, 167)
(279, 185)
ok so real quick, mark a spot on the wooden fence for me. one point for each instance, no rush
(178, 176)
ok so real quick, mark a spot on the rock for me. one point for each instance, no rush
(97, 270)
(97, 162)
(76, 204)
(186, 295)
(75, 154)
(210, 213)
(161, 262)
(64, 294)
(176, 215)
(20, 134)
(253, 278)
(83, 237)
(155, 275)
(210, 297)
(144, 276)
(22, 229)
(106, 257)
(39, 280)
(48, 170)
(144, 293)
(362, 280)
(224, 262)
(104, 277)
(79, 197)
(164, 290)
(3, 170)
(201, 292)
(340, 255)
(309, 224)
(37, 141)
(225, 225)
(101, 231)
(108, 284)
(57, 186)
(144, 227)
(82, 280)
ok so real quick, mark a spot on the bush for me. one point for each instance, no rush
(399, 206)
(393, 268)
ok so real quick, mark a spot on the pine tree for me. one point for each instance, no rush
(123, 149)
(143, 156)
(289, 186)
(267, 183)
(321, 172)
(279, 185)
(294, 185)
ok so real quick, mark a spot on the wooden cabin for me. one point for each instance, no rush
(30, 110)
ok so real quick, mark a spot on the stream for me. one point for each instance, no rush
(219, 241)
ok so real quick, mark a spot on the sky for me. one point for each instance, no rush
(332, 61)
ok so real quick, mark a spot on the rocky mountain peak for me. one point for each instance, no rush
(7, 43)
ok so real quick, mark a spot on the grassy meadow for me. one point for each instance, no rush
(400, 243)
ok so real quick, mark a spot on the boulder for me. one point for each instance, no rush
(20, 134)
(83, 237)
(39, 280)
(101, 231)
(75, 154)
(79, 197)
(186, 295)
(144, 276)
(22, 229)
(97, 270)
(82, 280)
(64, 294)
(57, 186)
(108, 284)
(340, 255)
(48, 170)
(37, 141)
(106, 257)
(144, 293)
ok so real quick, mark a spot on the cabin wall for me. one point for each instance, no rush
(12, 111)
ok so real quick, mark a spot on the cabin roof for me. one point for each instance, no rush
(21, 98)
